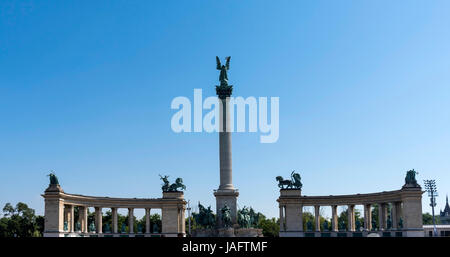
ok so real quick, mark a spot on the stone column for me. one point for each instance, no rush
(226, 178)
(317, 217)
(226, 194)
(98, 219)
(367, 217)
(334, 218)
(281, 218)
(66, 217)
(70, 218)
(181, 221)
(82, 216)
(351, 217)
(393, 216)
(147, 220)
(382, 211)
(115, 227)
(131, 220)
(398, 213)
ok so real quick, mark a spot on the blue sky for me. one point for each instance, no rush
(86, 87)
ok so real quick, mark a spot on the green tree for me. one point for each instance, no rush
(427, 219)
(20, 221)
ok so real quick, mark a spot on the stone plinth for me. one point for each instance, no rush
(229, 198)
(248, 232)
(225, 232)
(173, 195)
(290, 192)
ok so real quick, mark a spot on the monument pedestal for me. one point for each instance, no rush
(226, 197)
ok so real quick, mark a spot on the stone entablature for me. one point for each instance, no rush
(59, 209)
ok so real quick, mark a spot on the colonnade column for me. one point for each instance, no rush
(367, 217)
(82, 216)
(398, 213)
(282, 218)
(317, 217)
(334, 218)
(131, 220)
(98, 219)
(147, 220)
(394, 216)
(382, 216)
(115, 227)
(351, 217)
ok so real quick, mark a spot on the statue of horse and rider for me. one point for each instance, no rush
(205, 217)
(226, 216)
(293, 183)
(167, 187)
(244, 219)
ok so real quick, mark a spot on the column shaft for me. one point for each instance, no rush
(367, 217)
(226, 181)
(317, 217)
(131, 220)
(115, 228)
(334, 218)
(351, 217)
(147, 220)
(98, 219)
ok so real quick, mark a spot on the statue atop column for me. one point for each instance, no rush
(224, 90)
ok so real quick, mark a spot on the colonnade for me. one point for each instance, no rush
(404, 207)
(60, 218)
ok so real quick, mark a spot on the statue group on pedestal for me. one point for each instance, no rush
(205, 217)
(410, 178)
(167, 187)
(293, 183)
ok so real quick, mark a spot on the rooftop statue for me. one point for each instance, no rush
(166, 187)
(293, 183)
(226, 216)
(53, 178)
(410, 178)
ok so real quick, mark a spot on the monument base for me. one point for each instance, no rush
(227, 232)
(226, 197)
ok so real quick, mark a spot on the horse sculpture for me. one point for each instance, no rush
(178, 184)
(166, 187)
(293, 183)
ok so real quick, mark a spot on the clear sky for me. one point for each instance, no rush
(86, 87)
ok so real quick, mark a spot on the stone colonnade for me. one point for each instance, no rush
(405, 213)
(60, 218)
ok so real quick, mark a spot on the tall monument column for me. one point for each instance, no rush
(226, 194)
